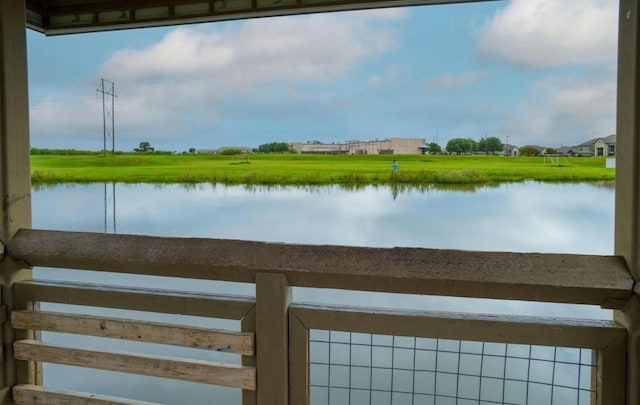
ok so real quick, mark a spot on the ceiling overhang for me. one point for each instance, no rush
(53, 17)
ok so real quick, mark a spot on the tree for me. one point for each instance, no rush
(491, 144)
(274, 147)
(529, 151)
(434, 149)
(144, 147)
(461, 145)
(231, 152)
(551, 151)
(192, 150)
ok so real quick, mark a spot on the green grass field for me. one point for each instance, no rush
(292, 169)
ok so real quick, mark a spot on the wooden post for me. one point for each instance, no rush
(273, 296)
(15, 184)
(627, 220)
(611, 373)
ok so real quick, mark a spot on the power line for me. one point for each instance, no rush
(108, 114)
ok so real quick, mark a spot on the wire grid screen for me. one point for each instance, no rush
(357, 368)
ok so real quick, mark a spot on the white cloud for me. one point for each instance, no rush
(259, 51)
(551, 33)
(451, 81)
(569, 109)
(185, 75)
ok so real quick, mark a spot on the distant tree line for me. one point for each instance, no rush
(487, 145)
(46, 151)
(273, 147)
(231, 152)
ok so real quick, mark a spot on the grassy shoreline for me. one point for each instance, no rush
(292, 169)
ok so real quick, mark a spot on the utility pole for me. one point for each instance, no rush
(108, 114)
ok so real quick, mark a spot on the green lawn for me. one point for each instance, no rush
(291, 169)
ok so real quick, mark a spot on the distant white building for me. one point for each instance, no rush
(242, 149)
(392, 146)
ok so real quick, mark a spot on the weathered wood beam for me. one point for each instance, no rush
(207, 372)
(143, 331)
(35, 394)
(15, 170)
(580, 279)
(135, 298)
(593, 334)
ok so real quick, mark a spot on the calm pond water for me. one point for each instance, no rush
(524, 217)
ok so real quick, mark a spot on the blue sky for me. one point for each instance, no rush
(538, 71)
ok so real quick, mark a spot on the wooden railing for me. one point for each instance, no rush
(275, 370)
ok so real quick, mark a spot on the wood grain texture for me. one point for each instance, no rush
(206, 372)
(15, 175)
(135, 298)
(273, 296)
(580, 279)
(143, 331)
(38, 395)
(451, 325)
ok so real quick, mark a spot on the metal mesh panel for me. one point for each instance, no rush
(356, 368)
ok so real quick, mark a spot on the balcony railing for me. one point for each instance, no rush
(285, 348)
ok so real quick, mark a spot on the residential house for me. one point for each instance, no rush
(567, 151)
(510, 150)
(598, 147)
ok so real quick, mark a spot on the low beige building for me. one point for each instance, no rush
(391, 146)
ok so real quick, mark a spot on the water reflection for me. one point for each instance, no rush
(521, 217)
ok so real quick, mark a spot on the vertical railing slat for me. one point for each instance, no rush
(248, 324)
(298, 360)
(611, 389)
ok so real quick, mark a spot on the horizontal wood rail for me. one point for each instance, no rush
(134, 298)
(34, 394)
(579, 279)
(144, 331)
(593, 334)
(207, 372)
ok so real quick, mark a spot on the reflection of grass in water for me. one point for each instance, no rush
(311, 169)
(395, 188)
